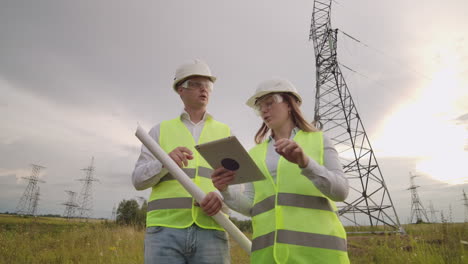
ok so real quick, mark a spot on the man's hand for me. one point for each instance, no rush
(212, 203)
(222, 177)
(181, 155)
(292, 152)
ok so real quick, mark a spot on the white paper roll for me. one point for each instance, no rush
(191, 187)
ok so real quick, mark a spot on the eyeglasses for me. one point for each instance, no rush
(267, 103)
(197, 85)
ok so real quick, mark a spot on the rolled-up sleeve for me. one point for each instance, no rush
(148, 170)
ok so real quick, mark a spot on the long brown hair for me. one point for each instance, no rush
(296, 115)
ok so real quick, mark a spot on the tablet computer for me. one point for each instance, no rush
(230, 154)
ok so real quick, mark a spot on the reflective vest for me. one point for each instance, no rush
(293, 221)
(170, 204)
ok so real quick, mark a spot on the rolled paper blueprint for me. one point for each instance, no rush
(191, 187)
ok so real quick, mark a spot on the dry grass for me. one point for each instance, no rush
(55, 240)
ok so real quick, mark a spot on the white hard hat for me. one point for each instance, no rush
(194, 68)
(273, 86)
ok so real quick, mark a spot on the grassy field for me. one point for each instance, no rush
(55, 240)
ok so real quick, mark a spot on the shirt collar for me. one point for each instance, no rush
(293, 133)
(186, 116)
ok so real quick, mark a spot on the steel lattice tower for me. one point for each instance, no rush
(70, 205)
(114, 213)
(28, 203)
(417, 209)
(35, 201)
(465, 203)
(432, 211)
(369, 202)
(85, 209)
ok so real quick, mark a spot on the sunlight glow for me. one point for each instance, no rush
(425, 127)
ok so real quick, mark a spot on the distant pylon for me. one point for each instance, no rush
(86, 195)
(70, 205)
(417, 209)
(432, 211)
(28, 203)
(465, 203)
(114, 213)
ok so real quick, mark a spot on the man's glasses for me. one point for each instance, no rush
(197, 85)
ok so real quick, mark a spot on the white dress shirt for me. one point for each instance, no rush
(329, 178)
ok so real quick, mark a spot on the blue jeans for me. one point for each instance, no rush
(194, 245)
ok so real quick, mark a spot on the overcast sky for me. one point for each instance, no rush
(77, 76)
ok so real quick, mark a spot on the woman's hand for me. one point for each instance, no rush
(221, 178)
(292, 152)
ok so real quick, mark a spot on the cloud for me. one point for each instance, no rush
(19, 174)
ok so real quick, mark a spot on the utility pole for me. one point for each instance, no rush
(29, 201)
(70, 205)
(369, 202)
(417, 209)
(85, 209)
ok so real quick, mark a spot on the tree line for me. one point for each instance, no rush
(129, 212)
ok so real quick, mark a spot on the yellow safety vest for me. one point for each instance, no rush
(293, 221)
(170, 204)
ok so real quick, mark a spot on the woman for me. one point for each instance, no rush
(293, 213)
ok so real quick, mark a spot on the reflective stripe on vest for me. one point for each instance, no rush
(292, 199)
(170, 203)
(300, 239)
(202, 172)
(288, 214)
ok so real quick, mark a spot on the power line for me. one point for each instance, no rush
(393, 58)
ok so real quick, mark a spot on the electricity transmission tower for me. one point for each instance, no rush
(27, 204)
(369, 202)
(417, 209)
(114, 214)
(35, 201)
(465, 203)
(432, 211)
(70, 205)
(85, 209)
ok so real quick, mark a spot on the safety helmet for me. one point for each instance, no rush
(273, 86)
(194, 68)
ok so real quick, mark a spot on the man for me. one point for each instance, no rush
(178, 230)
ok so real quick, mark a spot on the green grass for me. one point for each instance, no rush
(55, 240)
(424, 243)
